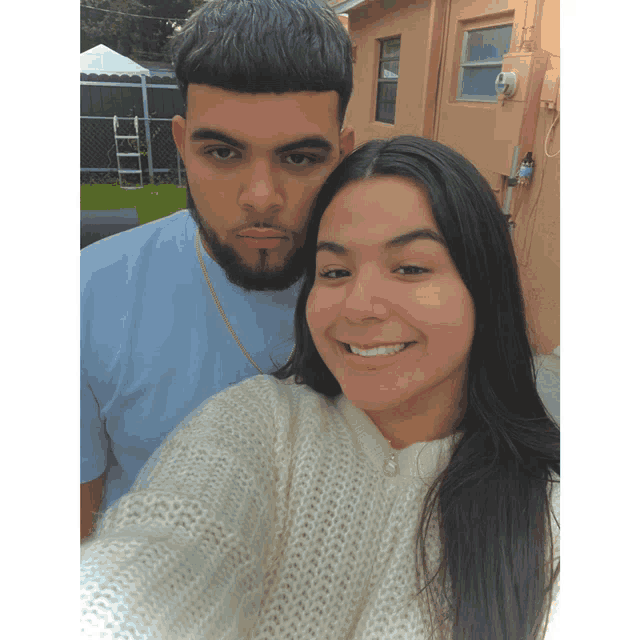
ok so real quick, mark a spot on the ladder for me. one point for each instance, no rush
(119, 154)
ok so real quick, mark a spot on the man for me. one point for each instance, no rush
(176, 310)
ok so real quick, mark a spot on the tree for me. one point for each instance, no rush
(116, 31)
(135, 37)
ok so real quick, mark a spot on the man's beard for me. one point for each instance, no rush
(231, 262)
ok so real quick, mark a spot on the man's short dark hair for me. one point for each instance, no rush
(265, 46)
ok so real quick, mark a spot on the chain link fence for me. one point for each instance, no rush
(98, 161)
(152, 101)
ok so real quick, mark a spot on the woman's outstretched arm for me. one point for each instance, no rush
(182, 554)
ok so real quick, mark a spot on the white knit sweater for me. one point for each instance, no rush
(265, 515)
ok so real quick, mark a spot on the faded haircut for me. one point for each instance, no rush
(265, 46)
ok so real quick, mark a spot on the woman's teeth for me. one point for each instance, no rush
(378, 351)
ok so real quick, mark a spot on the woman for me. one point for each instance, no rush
(394, 479)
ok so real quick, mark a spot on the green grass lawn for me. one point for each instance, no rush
(151, 202)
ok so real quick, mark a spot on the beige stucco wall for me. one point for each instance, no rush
(537, 240)
(367, 25)
(486, 133)
(537, 232)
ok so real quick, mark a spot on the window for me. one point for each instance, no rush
(481, 62)
(388, 80)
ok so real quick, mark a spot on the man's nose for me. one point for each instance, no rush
(260, 190)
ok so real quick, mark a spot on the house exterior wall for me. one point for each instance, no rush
(536, 237)
(487, 133)
(537, 232)
(367, 25)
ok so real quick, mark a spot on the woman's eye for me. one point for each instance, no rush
(332, 274)
(413, 271)
(221, 153)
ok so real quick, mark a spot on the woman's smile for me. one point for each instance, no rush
(375, 356)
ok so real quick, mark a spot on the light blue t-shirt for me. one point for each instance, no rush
(154, 346)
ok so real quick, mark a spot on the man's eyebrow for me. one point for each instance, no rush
(394, 243)
(311, 142)
(213, 134)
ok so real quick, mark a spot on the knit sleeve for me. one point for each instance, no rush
(183, 554)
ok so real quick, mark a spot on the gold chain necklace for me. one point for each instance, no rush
(222, 313)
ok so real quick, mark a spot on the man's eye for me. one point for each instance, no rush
(301, 159)
(221, 153)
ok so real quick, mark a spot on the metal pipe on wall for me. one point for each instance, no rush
(513, 175)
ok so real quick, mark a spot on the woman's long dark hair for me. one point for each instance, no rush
(491, 503)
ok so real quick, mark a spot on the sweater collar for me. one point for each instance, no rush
(421, 460)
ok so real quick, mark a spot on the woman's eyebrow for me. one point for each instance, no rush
(394, 243)
(333, 247)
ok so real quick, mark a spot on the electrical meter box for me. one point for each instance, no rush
(506, 83)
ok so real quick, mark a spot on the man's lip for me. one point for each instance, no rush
(262, 233)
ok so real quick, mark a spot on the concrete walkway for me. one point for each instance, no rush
(548, 382)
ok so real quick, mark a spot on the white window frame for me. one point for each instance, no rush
(478, 64)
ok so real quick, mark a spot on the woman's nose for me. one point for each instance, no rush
(367, 298)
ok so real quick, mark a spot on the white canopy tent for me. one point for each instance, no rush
(103, 60)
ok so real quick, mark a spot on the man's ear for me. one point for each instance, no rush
(179, 129)
(347, 141)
